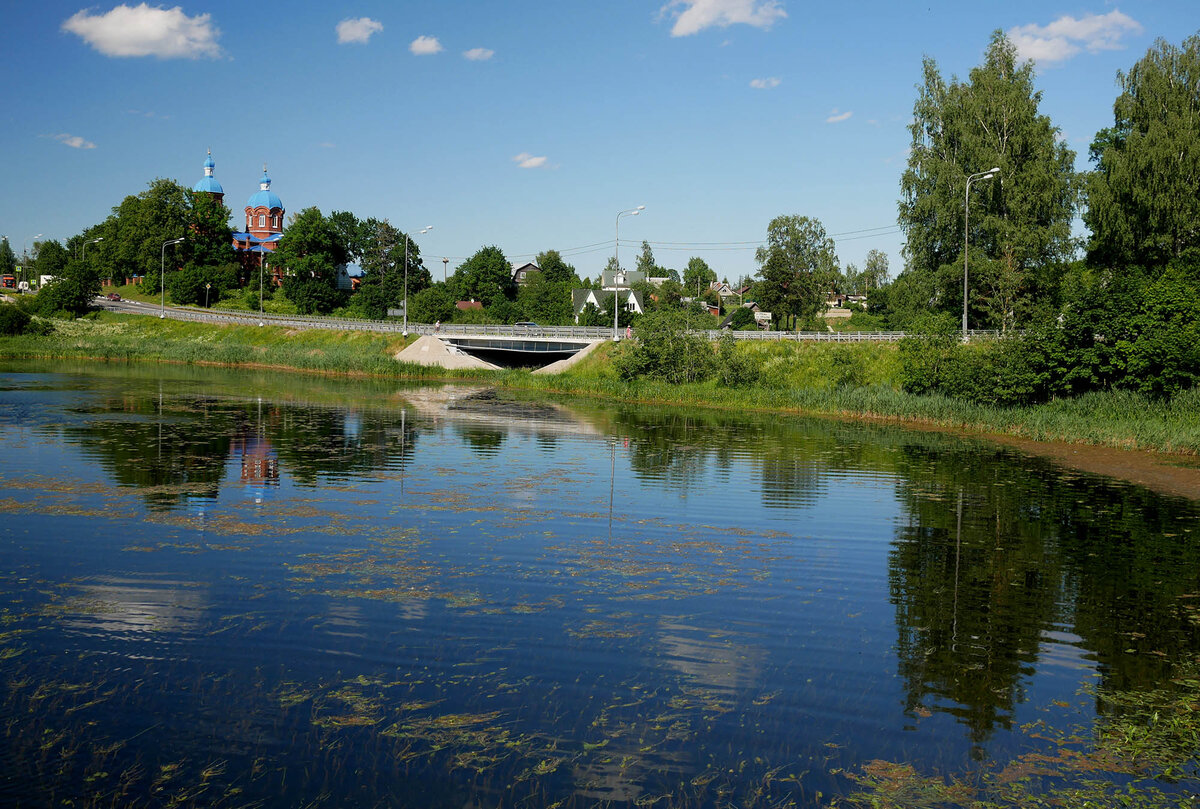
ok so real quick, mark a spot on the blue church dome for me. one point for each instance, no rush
(264, 197)
(209, 182)
(210, 185)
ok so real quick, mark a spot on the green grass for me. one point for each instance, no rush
(856, 380)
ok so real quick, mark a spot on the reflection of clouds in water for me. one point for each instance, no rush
(618, 775)
(348, 620)
(342, 621)
(718, 663)
(1065, 650)
(134, 607)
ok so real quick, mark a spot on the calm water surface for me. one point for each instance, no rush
(238, 589)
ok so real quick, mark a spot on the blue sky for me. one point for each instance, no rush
(529, 124)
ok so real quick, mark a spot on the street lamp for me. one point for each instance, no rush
(445, 269)
(162, 278)
(24, 258)
(426, 229)
(83, 253)
(983, 175)
(260, 285)
(617, 265)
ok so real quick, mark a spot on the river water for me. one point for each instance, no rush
(243, 589)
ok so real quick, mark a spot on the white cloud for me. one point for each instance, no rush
(425, 46)
(479, 54)
(74, 141)
(765, 84)
(327, 145)
(358, 30)
(149, 114)
(145, 31)
(700, 14)
(836, 117)
(527, 161)
(1067, 36)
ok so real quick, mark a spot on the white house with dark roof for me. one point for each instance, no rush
(602, 299)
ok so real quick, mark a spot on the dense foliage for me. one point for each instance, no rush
(311, 251)
(799, 267)
(1143, 206)
(1020, 221)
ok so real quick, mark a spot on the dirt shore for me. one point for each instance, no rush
(1177, 475)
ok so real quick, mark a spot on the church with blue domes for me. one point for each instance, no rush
(264, 216)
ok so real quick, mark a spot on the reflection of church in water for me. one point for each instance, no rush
(259, 462)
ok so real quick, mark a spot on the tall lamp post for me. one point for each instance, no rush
(25, 259)
(83, 251)
(162, 278)
(426, 229)
(260, 284)
(983, 175)
(617, 266)
(445, 269)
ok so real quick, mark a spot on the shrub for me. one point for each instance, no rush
(13, 320)
(666, 350)
(928, 356)
(743, 320)
(735, 368)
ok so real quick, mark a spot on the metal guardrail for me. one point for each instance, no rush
(588, 333)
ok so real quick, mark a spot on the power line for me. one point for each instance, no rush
(595, 247)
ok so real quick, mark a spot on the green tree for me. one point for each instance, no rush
(743, 319)
(383, 280)
(209, 239)
(848, 281)
(433, 304)
(72, 290)
(667, 349)
(202, 285)
(555, 269)
(645, 262)
(875, 271)
(799, 264)
(311, 251)
(1020, 220)
(8, 260)
(546, 302)
(1143, 205)
(353, 233)
(698, 276)
(51, 259)
(486, 276)
(594, 317)
(137, 228)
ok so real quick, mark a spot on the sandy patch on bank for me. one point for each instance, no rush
(430, 351)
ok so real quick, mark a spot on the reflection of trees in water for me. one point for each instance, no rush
(483, 441)
(174, 449)
(336, 443)
(1035, 548)
(974, 592)
(671, 449)
(177, 447)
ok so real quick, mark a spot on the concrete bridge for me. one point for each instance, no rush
(516, 350)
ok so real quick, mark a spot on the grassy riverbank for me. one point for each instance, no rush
(849, 380)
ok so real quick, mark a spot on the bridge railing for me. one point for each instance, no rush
(494, 330)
